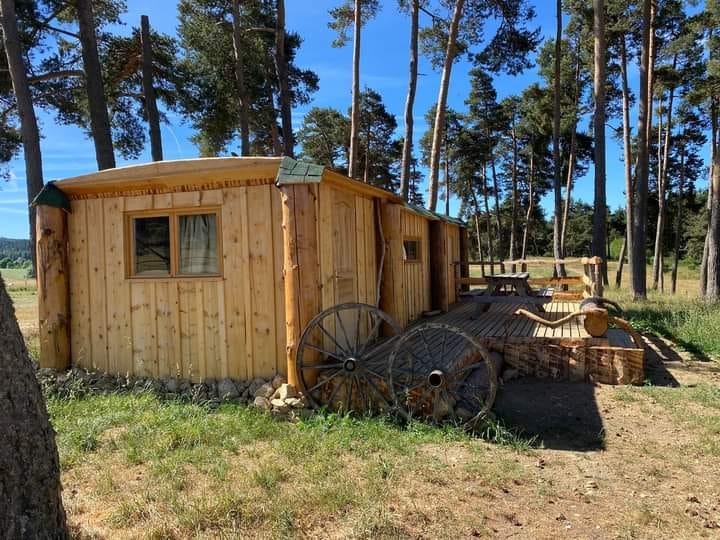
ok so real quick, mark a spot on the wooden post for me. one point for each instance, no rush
(392, 287)
(464, 257)
(53, 287)
(438, 266)
(595, 318)
(301, 268)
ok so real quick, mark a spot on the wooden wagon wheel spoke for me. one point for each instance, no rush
(358, 361)
(341, 349)
(441, 388)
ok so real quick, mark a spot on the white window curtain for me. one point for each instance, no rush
(198, 244)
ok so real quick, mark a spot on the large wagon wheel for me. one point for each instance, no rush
(441, 374)
(342, 359)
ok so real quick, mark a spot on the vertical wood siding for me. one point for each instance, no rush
(416, 274)
(452, 232)
(202, 328)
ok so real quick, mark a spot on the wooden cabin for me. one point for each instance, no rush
(211, 268)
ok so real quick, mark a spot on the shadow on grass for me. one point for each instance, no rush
(557, 414)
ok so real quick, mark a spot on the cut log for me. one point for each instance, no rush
(594, 317)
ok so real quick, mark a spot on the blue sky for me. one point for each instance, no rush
(67, 152)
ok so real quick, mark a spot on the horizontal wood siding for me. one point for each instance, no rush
(416, 274)
(192, 328)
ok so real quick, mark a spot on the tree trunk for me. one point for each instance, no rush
(498, 223)
(557, 178)
(713, 149)
(712, 291)
(410, 101)
(30, 501)
(240, 80)
(488, 226)
(627, 158)
(447, 183)
(151, 110)
(638, 277)
(600, 205)
(678, 222)
(281, 66)
(355, 109)
(514, 196)
(28, 121)
(439, 127)
(572, 155)
(99, 121)
(531, 201)
(662, 188)
(621, 263)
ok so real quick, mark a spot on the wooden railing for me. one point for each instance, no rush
(589, 284)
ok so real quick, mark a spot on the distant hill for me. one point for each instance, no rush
(14, 252)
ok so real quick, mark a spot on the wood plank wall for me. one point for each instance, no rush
(207, 327)
(191, 328)
(416, 274)
(453, 253)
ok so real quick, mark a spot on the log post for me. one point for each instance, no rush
(439, 266)
(301, 267)
(53, 287)
(392, 287)
(594, 317)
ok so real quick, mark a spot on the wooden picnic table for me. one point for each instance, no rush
(510, 288)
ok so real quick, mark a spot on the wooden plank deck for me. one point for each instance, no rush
(500, 321)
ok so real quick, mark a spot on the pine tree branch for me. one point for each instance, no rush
(61, 74)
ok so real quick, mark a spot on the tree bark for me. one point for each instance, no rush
(662, 189)
(498, 223)
(638, 277)
(713, 150)
(30, 501)
(513, 196)
(488, 226)
(712, 291)
(627, 158)
(438, 128)
(557, 178)
(600, 205)
(531, 201)
(99, 120)
(410, 101)
(281, 65)
(355, 108)
(621, 263)
(678, 222)
(29, 131)
(151, 109)
(240, 80)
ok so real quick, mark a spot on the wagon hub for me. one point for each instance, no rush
(436, 378)
(350, 364)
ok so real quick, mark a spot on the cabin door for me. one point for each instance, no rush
(345, 256)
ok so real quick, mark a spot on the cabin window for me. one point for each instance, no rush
(411, 250)
(174, 244)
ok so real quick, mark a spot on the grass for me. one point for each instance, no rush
(234, 469)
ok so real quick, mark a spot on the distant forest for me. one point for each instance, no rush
(14, 253)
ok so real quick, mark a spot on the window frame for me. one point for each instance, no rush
(418, 242)
(173, 214)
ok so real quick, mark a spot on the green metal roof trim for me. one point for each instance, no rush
(292, 171)
(51, 195)
(434, 215)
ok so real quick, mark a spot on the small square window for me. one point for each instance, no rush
(411, 248)
(175, 244)
(198, 244)
(152, 246)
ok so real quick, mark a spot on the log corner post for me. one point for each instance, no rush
(301, 266)
(392, 286)
(53, 286)
(464, 258)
